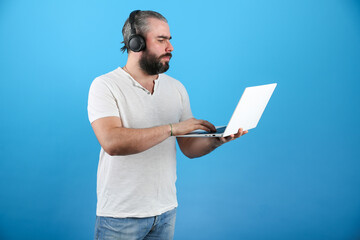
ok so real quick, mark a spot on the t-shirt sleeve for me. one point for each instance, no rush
(101, 101)
(186, 111)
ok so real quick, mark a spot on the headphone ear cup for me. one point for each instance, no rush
(136, 43)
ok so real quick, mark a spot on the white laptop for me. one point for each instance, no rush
(246, 115)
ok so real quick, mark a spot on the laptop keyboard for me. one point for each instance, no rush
(220, 129)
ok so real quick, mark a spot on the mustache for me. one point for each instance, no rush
(166, 55)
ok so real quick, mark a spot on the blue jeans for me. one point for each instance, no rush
(160, 227)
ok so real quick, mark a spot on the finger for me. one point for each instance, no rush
(208, 125)
(238, 134)
(202, 127)
(229, 138)
(242, 133)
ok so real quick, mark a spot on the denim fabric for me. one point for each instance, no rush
(159, 227)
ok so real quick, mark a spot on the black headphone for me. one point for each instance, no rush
(136, 43)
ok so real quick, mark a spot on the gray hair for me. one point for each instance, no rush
(140, 24)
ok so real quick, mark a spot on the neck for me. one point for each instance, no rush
(138, 74)
(145, 80)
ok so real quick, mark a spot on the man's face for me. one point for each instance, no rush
(155, 58)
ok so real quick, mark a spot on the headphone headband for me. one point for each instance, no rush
(132, 21)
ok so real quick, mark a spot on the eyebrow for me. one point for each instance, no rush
(164, 37)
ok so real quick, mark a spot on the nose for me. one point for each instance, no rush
(169, 47)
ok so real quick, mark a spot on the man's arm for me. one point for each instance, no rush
(118, 140)
(193, 147)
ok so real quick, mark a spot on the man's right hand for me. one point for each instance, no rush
(190, 125)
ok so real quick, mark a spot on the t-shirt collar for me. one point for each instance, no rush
(137, 84)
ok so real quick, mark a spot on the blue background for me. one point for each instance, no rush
(296, 176)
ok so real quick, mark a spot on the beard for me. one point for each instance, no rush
(152, 65)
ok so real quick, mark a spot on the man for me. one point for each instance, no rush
(136, 112)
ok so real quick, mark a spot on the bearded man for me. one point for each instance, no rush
(136, 112)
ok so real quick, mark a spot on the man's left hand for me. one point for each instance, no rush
(231, 137)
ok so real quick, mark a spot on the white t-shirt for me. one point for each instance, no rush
(142, 184)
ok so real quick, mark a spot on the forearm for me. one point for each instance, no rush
(125, 141)
(197, 147)
(117, 140)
